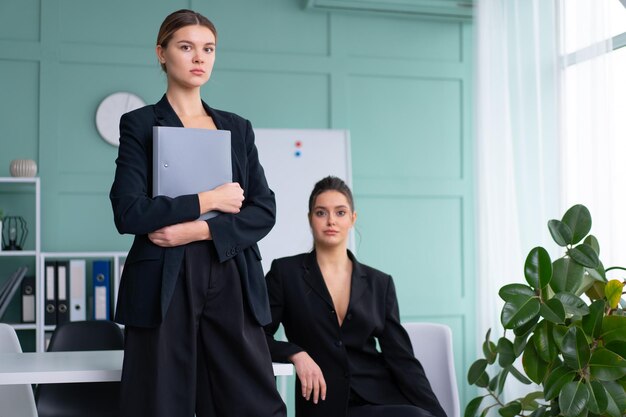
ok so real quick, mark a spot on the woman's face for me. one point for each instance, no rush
(331, 219)
(189, 56)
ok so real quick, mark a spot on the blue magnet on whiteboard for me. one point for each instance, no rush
(297, 154)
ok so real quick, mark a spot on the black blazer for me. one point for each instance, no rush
(150, 271)
(347, 355)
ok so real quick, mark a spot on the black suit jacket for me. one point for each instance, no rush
(346, 354)
(150, 271)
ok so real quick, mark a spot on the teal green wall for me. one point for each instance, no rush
(402, 86)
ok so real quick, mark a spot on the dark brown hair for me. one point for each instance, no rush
(180, 19)
(330, 183)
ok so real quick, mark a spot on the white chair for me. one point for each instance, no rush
(16, 400)
(432, 345)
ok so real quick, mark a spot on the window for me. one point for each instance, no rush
(593, 128)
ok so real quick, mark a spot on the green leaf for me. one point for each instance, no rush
(567, 275)
(520, 310)
(585, 284)
(529, 402)
(584, 255)
(540, 412)
(596, 291)
(578, 219)
(598, 398)
(501, 380)
(613, 292)
(509, 291)
(573, 304)
(506, 355)
(519, 343)
(606, 365)
(476, 370)
(575, 349)
(511, 409)
(483, 380)
(518, 375)
(534, 366)
(616, 399)
(617, 346)
(538, 268)
(593, 242)
(525, 329)
(544, 344)
(493, 382)
(558, 333)
(556, 380)
(489, 350)
(561, 233)
(473, 406)
(598, 274)
(573, 399)
(613, 328)
(592, 322)
(553, 310)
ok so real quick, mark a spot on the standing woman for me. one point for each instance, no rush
(192, 295)
(333, 310)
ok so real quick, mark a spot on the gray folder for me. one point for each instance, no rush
(189, 160)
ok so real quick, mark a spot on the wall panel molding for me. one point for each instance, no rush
(403, 87)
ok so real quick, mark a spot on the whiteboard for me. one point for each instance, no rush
(294, 160)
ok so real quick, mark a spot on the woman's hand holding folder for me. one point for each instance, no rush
(226, 198)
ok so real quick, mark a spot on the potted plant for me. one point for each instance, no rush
(568, 324)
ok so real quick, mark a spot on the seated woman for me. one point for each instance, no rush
(334, 310)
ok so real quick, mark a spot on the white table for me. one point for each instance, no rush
(58, 367)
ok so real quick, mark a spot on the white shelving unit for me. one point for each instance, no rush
(117, 260)
(8, 185)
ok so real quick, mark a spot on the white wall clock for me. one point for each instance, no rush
(111, 110)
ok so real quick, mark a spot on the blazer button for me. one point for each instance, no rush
(338, 343)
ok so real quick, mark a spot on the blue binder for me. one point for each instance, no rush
(101, 290)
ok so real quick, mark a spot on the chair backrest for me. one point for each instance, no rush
(16, 400)
(432, 345)
(86, 335)
(99, 399)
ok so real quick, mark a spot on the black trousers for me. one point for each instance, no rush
(372, 410)
(358, 407)
(208, 357)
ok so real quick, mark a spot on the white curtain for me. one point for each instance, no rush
(551, 132)
(594, 137)
(517, 164)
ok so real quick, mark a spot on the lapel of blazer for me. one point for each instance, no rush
(359, 280)
(313, 277)
(165, 114)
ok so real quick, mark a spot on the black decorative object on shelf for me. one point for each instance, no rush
(14, 232)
